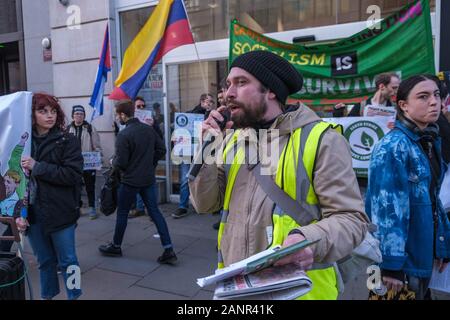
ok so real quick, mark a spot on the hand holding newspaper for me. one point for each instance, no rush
(256, 279)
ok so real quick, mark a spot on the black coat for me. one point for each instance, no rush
(138, 150)
(58, 173)
(199, 110)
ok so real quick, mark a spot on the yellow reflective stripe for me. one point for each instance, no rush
(338, 127)
(231, 178)
(230, 145)
(234, 170)
(220, 262)
(223, 223)
(282, 225)
(290, 181)
(310, 154)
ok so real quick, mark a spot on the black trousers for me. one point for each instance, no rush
(89, 182)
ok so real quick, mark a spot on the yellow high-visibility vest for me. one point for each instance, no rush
(307, 141)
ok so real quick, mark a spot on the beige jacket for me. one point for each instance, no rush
(89, 142)
(246, 233)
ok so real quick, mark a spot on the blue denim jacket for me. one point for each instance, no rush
(398, 202)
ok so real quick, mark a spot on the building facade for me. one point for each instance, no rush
(76, 30)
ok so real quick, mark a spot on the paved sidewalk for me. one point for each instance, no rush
(137, 275)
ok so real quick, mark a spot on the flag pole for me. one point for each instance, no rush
(202, 71)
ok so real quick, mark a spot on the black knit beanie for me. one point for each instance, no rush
(78, 109)
(274, 72)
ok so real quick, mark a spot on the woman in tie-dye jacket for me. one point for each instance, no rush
(405, 174)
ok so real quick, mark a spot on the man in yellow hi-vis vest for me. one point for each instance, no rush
(314, 169)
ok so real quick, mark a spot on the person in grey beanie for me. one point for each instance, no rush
(90, 142)
(314, 169)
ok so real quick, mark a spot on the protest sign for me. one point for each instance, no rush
(145, 116)
(92, 161)
(15, 143)
(186, 135)
(362, 133)
(345, 71)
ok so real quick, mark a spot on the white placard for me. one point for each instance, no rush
(144, 116)
(440, 281)
(186, 135)
(92, 161)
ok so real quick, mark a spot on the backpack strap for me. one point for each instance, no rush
(89, 129)
(299, 207)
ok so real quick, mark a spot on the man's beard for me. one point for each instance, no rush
(249, 117)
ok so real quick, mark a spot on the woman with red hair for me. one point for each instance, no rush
(56, 169)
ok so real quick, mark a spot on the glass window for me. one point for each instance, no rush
(350, 11)
(10, 76)
(210, 19)
(8, 16)
(186, 83)
(14, 76)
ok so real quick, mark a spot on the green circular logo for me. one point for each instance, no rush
(362, 136)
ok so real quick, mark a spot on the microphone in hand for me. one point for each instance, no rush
(196, 165)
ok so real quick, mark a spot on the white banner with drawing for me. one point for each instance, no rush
(15, 143)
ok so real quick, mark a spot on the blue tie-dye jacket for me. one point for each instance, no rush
(398, 202)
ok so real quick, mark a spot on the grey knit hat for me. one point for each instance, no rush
(274, 72)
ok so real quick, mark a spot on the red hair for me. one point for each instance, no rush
(42, 100)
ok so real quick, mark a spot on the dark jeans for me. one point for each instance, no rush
(184, 186)
(89, 182)
(126, 197)
(5, 246)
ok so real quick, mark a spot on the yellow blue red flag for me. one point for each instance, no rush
(166, 29)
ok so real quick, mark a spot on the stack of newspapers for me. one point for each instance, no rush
(256, 278)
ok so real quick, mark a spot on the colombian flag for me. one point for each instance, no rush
(166, 29)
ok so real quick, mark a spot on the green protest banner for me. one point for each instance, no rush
(345, 71)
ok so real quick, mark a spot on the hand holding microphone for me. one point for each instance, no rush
(217, 122)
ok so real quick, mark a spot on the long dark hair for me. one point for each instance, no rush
(407, 85)
(42, 100)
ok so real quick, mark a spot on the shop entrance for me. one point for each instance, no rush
(9, 68)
